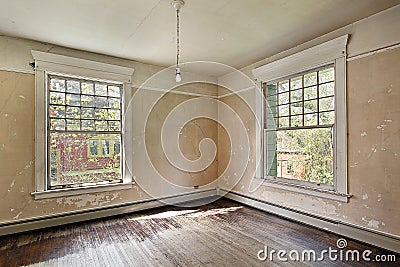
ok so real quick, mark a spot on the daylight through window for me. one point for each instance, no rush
(300, 117)
(84, 128)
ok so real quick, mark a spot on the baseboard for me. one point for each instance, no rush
(356, 232)
(90, 214)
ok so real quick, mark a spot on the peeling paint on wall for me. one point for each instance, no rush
(371, 223)
(88, 200)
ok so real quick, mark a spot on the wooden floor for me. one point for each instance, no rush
(223, 233)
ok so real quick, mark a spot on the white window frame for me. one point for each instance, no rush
(47, 63)
(331, 52)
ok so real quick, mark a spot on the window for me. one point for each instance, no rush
(290, 168)
(93, 148)
(104, 148)
(299, 127)
(117, 146)
(105, 145)
(305, 140)
(79, 111)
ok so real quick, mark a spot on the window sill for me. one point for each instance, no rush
(306, 190)
(80, 190)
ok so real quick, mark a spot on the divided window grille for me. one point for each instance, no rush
(299, 124)
(80, 113)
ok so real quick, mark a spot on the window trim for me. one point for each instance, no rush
(47, 63)
(331, 52)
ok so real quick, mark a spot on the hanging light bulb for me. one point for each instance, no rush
(178, 77)
(177, 4)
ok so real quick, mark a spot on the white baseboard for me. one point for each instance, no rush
(90, 214)
(356, 232)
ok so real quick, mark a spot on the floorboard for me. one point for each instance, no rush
(220, 233)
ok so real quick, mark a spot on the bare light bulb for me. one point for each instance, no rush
(178, 77)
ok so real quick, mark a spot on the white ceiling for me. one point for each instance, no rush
(233, 32)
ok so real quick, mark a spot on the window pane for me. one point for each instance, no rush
(326, 89)
(73, 113)
(87, 101)
(326, 75)
(283, 98)
(100, 114)
(310, 93)
(75, 159)
(310, 79)
(73, 87)
(283, 86)
(88, 125)
(57, 124)
(57, 111)
(114, 126)
(113, 114)
(87, 88)
(303, 154)
(310, 119)
(296, 108)
(114, 103)
(326, 104)
(73, 125)
(296, 95)
(310, 106)
(327, 118)
(296, 83)
(114, 91)
(73, 100)
(87, 113)
(283, 110)
(57, 85)
(100, 89)
(101, 102)
(57, 98)
(283, 122)
(101, 125)
(296, 121)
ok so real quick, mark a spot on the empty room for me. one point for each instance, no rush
(200, 133)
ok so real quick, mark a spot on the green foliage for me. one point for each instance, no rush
(316, 146)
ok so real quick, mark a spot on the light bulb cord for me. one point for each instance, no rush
(177, 38)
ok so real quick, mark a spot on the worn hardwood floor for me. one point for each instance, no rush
(223, 233)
